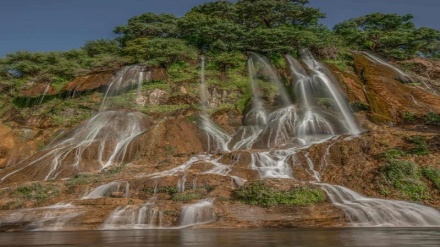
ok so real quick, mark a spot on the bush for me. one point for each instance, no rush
(258, 193)
(433, 119)
(392, 154)
(186, 197)
(77, 180)
(37, 192)
(433, 175)
(405, 176)
(421, 147)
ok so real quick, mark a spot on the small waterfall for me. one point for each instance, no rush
(197, 213)
(217, 168)
(105, 138)
(217, 138)
(124, 80)
(257, 60)
(51, 218)
(364, 211)
(272, 164)
(402, 76)
(257, 115)
(321, 77)
(134, 217)
(40, 101)
(112, 189)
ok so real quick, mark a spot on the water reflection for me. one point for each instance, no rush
(362, 237)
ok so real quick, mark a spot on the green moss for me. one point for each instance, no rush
(258, 193)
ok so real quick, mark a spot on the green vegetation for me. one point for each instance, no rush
(37, 192)
(186, 196)
(223, 32)
(420, 145)
(259, 193)
(390, 35)
(392, 154)
(433, 119)
(405, 177)
(433, 175)
(76, 181)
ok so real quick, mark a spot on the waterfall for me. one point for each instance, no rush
(402, 76)
(112, 189)
(106, 137)
(197, 213)
(364, 211)
(134, 217)
(46, 89)
(125, 79)
(51, 218)
(255, 59)
(321, 76)
(217, 138)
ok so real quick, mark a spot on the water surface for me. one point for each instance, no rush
(362, 237)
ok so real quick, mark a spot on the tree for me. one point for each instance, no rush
(148, 25)
(101, 46)
(159, 51)
(427, 42)
(274, 13)
(388, 34)
(211, 33)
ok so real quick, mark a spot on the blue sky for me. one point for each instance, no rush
(45, 25)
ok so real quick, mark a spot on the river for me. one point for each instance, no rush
(335, 237)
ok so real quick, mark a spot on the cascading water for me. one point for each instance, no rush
(320, 75)
(134, 217)
(127, 78)
(112, 189)
(107, 138)
(364, 211)
(402, 76)
(51, 218)
(46, 89)
(266, 68)
(197, 213)
(217, 139)
(291, 128)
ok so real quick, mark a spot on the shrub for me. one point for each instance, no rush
(186, 197)
(37, 192)
(78, 179)
(392, 154)
(421, 147)
(405, 176)
(433, 175)
(433, 119)
(258, 193)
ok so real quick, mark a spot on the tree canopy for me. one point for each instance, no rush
(225, 31)
(390, 35)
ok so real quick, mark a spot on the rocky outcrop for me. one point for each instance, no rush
(89, 82)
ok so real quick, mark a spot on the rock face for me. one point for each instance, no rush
(388, 99)
(166, 166)
(89, 82)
